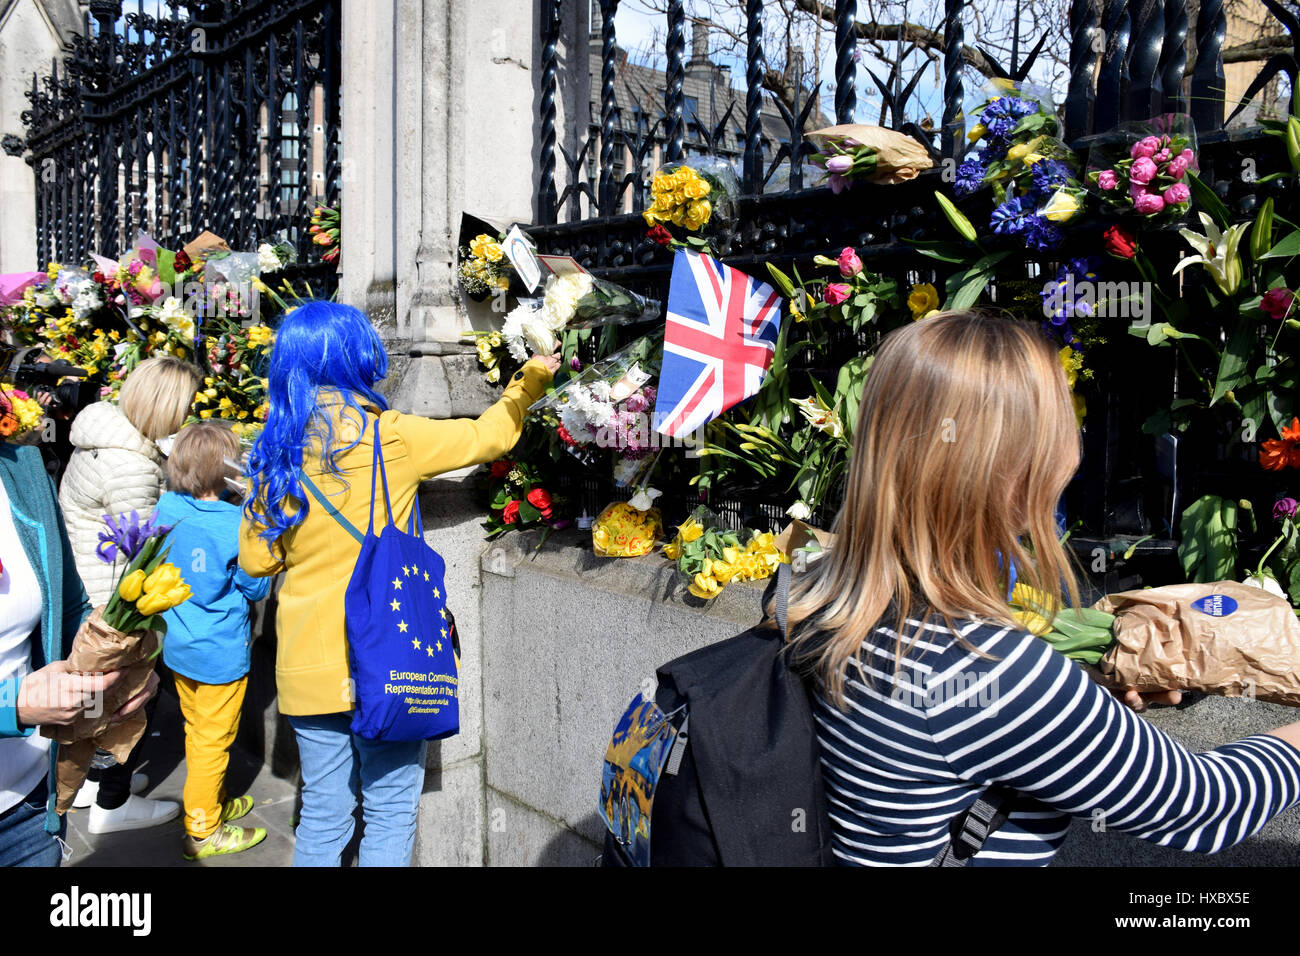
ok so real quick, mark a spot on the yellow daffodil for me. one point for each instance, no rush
(1032, 622)
(690, 530)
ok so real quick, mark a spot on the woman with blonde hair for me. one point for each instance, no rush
(929, 691)
(116, 468)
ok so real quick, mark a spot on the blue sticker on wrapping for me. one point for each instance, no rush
(1215, 605)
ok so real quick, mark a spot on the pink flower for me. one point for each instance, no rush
(850, 264)
(1187, 156)
(1148, 204)
(1177, 167)
(1276, 303)
(1162, 156)
(1145, 148)
(838, 183)
(839, 164)
(836, 293)
(1177, 193)
(1143, 171)
(1107, 179)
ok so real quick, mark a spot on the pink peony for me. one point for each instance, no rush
(1276, 303)
(1187, 156)
(1162, 156)
(1148, 203)
(1107, 179)
(1177, 193)
(1177, 167)
(836, 293)
(1145, 148)
(1143, 171)
(850, 264)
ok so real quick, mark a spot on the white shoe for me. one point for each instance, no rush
(135, 814)
(90, 790)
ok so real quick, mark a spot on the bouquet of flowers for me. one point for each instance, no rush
(709, 557)
(19, 412)
(573, 300)
(324, 231)
(853, 152)
(125, 635)
(624, 530)
(517, 497)
(692, 195)
(1032, 173)
(609, 405)
(483, 267)
(1148, 174)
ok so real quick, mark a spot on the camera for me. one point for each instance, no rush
(28, 369)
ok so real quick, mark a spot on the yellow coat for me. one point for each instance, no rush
(317, 557)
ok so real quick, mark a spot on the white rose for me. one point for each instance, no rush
(799, 511)
(267, 260)
(644, 499)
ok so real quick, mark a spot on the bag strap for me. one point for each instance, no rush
(325, 503)
(377, 469)
(971, 829)
(782, 597)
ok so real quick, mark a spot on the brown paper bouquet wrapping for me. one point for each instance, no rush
(899, 157)
(1223, 638)
(98, 648)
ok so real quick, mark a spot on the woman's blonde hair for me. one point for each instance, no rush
(197, 465)
(157, 395)
(965, 441)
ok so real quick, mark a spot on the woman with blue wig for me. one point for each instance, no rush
(323, 404)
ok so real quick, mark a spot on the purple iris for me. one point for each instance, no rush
(126, 535)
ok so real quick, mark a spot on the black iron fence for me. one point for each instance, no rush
(217, 114)
(1128, 60)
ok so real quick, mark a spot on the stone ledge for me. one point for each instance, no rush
(568, 554)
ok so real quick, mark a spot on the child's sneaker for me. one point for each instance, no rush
(226, 839)
(236, 808)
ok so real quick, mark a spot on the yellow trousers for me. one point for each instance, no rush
(211, 722)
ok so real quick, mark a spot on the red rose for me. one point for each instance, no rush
(659, 235)
(1276, 303)
(1120, 242)
(510, 513)
(540, 499)
(501, 468)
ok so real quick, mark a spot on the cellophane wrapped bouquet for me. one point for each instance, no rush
(1144, 168)
(1019, 154)
(125, 635)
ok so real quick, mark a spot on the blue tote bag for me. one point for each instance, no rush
(401, 636)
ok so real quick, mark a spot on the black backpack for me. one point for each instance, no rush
(722, 767)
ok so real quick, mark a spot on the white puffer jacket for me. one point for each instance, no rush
(114, 470)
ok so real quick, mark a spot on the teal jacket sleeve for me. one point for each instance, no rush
(252, 588)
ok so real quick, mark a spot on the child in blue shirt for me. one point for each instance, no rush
(207, 642)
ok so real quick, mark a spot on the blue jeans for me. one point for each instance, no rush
(23, 840)
(339, 767)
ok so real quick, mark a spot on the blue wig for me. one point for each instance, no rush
(323, 350)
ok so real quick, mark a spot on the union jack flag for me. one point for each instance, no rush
(719, 339)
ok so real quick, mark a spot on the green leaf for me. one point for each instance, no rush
(1288, 246)
(166, 266)
(527, 513)
(943, 250)
(969, 291)
(1236, 355)
(1280, 396)
(1208, 200)
(1208, 550)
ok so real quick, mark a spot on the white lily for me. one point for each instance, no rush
(1217, 253)
(822, 418)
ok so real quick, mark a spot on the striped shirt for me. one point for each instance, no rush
(910, 754)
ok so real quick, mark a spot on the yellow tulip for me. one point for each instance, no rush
(131, 586)
(1035, 623)
(155, 602)
(1018, 152)
(165, 576)
(1061, 207)
(723, 571)
(703, 587)
(976, 132)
